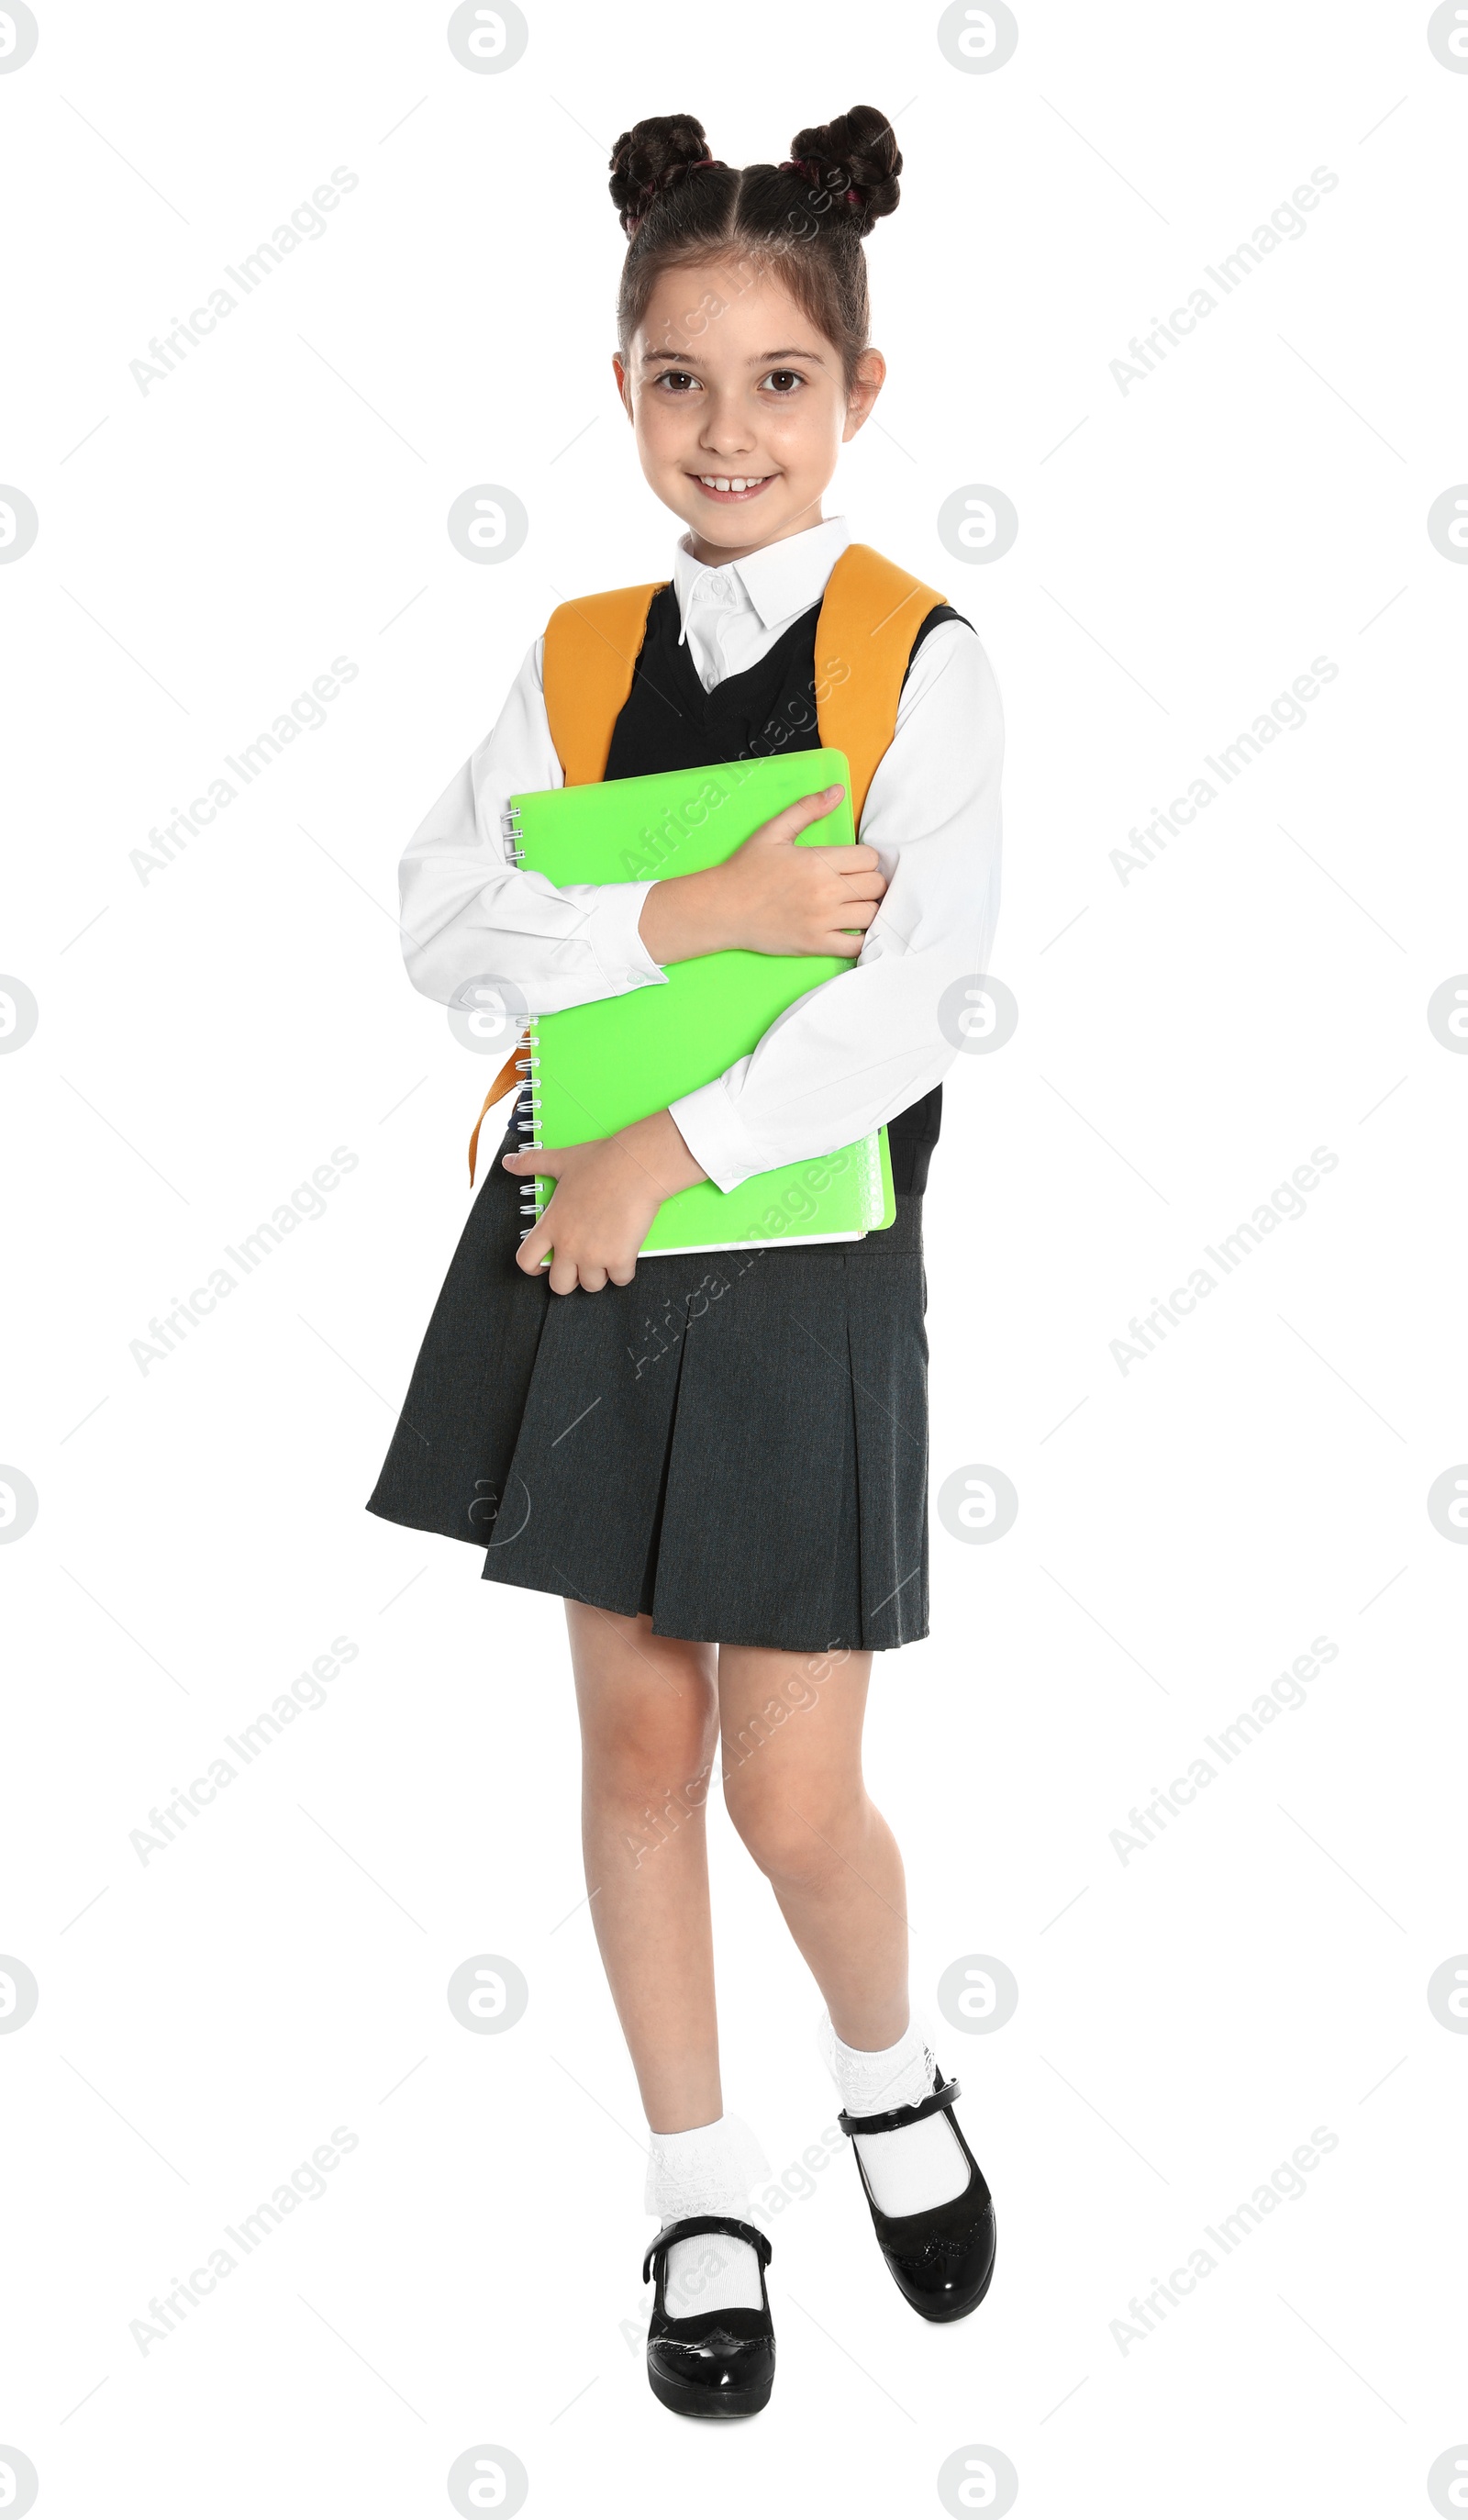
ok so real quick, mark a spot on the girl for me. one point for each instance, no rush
(721, 1461)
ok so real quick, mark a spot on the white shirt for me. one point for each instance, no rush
(851, 1053)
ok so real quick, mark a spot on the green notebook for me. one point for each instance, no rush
(599, 1067)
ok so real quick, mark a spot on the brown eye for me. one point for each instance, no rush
(677, 375)
(784, 378)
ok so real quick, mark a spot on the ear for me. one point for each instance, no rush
(872, 370)
(620, 371)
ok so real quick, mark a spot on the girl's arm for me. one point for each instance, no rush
(859, 1049)
(467, 914)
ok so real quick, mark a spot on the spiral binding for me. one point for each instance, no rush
(527, 1107)
(871, 1179)
(527, 1121)
(528, 1104)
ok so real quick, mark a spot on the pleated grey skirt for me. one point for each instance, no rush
(734, 1444)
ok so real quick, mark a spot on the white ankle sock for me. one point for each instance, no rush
(707, 2170)
(908, 2168)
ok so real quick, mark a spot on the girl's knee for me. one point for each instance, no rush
(648, 1743)
(798, 1834)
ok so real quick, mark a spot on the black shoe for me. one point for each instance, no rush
(942, 2260)
(718, 2362)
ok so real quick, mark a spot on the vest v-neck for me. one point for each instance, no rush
(729, 695)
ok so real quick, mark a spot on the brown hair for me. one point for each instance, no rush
(806, 217)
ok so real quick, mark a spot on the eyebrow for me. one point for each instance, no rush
(762, 359)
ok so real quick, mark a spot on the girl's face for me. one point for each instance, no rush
(727, 381)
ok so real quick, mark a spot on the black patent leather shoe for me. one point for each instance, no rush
(942, 2260)
(717, 2361)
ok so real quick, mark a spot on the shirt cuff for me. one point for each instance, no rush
(716, 1137)
(611, 931)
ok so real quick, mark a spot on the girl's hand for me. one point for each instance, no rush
(770, 897)
(606, 1195)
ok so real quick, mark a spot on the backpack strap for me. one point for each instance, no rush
(511, 1078)
(869, 617)
(590, 648)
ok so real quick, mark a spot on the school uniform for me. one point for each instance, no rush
(736, 1442)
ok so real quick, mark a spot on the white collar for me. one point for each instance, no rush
(785, 578)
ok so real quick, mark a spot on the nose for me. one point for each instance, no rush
(726, 428)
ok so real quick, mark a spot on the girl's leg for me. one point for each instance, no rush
(650, 1731)
(793, 1786)
(650, 1727)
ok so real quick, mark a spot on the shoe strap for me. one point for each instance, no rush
(885, 2119)
(690, 2226)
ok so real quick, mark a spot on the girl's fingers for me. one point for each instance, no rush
(563, 1275)
(791, 819)
(819, 801)
(532, 1251)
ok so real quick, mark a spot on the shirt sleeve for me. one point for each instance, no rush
(467, 914)
(861, 1047)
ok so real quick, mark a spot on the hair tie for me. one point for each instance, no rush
(813, 176)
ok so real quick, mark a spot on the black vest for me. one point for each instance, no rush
(670, 722)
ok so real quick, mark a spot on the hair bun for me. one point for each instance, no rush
(650, 157)
(862, 147)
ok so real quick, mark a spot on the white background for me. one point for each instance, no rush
(1185, 1039)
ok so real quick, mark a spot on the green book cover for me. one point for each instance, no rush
(595, 1068)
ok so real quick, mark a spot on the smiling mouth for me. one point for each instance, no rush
(732, 485)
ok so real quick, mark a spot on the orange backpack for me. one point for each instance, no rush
(868, 620)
